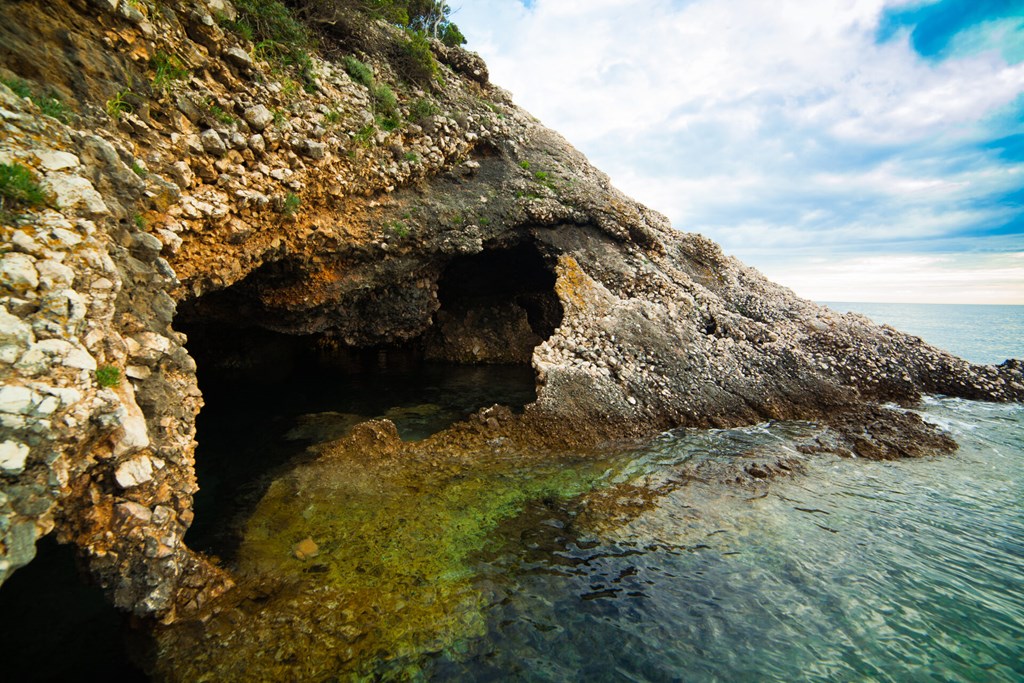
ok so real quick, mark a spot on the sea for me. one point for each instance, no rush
(624, 569)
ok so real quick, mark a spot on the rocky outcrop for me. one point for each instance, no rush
(227, 194)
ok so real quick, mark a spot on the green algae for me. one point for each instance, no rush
(394, 574)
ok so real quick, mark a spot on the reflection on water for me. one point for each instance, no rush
(489, 568)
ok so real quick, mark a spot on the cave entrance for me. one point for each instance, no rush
(269, 395)
(496, 307)
(56, 626)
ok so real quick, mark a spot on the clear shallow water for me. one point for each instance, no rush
(895, 571)
(639, 567)
(981, 334)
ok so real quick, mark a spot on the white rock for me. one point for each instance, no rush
(14, 330)
(138, 372)
(79, 358)
(75, 192)
(18, 272)
(134, 472)
(22, 241)
(16, 400)
(52, 160)
(66, 237)
(9, 353)
(48, 406)
(13, 456)
(133, 509)
(134, 435)
(54, 275)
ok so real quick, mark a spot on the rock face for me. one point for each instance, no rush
(233, 198)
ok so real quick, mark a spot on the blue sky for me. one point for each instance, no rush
(851, 149)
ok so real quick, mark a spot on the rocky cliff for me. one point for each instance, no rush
(194, 182)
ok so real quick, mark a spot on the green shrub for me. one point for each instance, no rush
(423, 108)
(399, 229)
(108, 376)
(524, 164)
(18, 189)
(384, 100)
(388, 123)
(50, 105)
(263, 20)
(17, 86)
(139, 169)
(365, 135)
(359, 72)
(418, 63)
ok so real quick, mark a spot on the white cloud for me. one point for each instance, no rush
(900, 278)
(780, 122)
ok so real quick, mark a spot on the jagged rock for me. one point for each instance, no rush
(75, 193)
(13, 456)
(239, 57)
(57, 161)
(258, 117)
(134, 472)
(212, 142)
(18, 272)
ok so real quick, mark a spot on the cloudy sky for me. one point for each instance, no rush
(855, 150)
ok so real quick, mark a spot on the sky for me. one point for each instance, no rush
(853, 150)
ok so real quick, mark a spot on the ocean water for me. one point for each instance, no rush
(979, 333)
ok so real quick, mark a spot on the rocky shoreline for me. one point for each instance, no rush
(234, 199)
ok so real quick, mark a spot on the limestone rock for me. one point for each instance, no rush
(13, 456)
(258, 117)
(212, 142)
(18, 272)
(75, 193)
(134, 472)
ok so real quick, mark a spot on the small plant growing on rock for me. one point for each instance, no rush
(332, 117)
(365, 135)
(139, 169)
(167, 69)
(108, 376)
(118, 104)
(18, 189)
(50, 105)
(524, 164)
(291, 204)
(399, 229)
(412, 157)
(140, 221)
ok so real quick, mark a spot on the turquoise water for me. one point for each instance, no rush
(894, 571)
(981, 334)
(891, 571)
